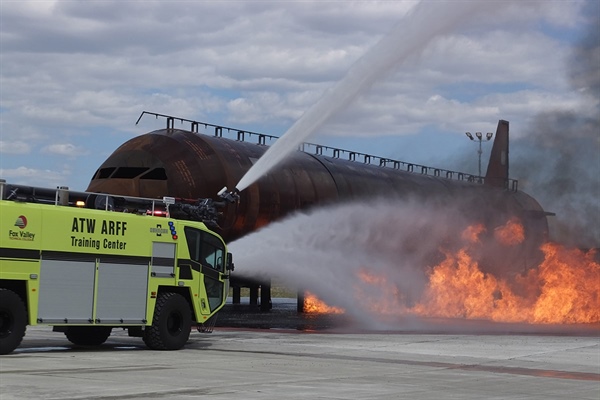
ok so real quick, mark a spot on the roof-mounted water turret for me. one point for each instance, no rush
(203, 210)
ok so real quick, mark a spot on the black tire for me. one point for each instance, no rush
(88, 335)
(13, 320)
(172, 323)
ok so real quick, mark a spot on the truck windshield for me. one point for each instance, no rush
(205, 248)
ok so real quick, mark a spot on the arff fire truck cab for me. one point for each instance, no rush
(87, 263)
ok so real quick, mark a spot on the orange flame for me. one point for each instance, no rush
(510, 234)
(563, 289)
(471, 234)
(384, 298)
(459, 289)
(312, 304)
(571, 286)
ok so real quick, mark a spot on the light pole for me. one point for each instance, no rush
(488, 136)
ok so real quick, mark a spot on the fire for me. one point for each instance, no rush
(571, 286)
(312, 304)
(459, 289)
(511, 233)
(563, 289)
(378, 294)
(471, 234)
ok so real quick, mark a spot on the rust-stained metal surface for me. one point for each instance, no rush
(189, 165)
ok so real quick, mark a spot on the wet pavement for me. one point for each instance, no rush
(283, 315)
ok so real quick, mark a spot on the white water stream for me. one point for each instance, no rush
(428, 20)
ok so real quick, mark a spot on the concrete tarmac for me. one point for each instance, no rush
(291, 364)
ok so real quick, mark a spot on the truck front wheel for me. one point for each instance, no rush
(88, 335)
(170, 329)
(13, 320)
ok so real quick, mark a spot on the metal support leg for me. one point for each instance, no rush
(300, 306)
(254, 295)
(237, 294)
(265, 296)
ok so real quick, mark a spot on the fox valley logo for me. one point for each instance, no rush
(21, 234)
(21, 222)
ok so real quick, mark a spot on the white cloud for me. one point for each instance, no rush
(79, 73)
(16, 147)
(64, 149)
(34, 177)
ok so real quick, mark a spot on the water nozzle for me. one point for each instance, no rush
(230, 196)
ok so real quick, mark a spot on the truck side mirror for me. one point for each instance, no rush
(230, 266)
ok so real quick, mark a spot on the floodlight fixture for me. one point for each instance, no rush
(479, 139)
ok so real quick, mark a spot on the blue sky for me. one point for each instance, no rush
(76, 75)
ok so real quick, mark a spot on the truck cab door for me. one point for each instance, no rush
(208, 254)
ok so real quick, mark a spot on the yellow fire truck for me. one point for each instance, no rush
(86, 263)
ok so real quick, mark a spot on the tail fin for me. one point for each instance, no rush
(497, 171)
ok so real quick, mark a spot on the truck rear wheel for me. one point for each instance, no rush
(88, 335)
(13, 320)
(170, 329)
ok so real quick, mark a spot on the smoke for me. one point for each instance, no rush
(558, 162)
(327, 249)
(427, 21)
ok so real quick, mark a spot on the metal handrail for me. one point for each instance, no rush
(334, 152)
